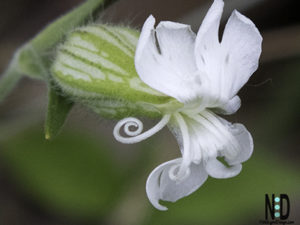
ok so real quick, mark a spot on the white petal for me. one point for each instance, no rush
(207, 40)
(244, 140)
(159, 186)
(153, 183)
(216, 169)
(145, 38)
(208, 136)
(212, 136)
(207, 49)
(168, 64)
(229, 107)
(225, 67)
(241, 45)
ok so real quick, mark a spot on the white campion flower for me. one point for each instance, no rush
(205, 75)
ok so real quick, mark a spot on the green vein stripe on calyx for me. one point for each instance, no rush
(105, 35)
(97, 62)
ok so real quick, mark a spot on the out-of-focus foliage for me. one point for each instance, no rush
(72, 175)
(284, 93)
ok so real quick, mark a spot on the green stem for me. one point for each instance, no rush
(9, 78)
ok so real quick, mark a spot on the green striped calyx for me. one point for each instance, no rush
(95, 66)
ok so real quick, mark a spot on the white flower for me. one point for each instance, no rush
(205, 75)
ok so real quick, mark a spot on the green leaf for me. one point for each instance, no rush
(34, 58)
(56, 31)
(75, 175)
(58, 110)
(9, 79)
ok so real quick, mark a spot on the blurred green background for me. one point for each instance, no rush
(84, 177)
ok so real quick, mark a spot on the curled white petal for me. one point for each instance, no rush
(216, 169)
(243, 138)
(173, 173)
(159, 186)
(137, 135)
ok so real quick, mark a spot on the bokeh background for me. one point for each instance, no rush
(84, 177)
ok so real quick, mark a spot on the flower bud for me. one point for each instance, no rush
(95, 66)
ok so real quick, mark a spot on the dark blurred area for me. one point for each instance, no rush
(85, 177)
